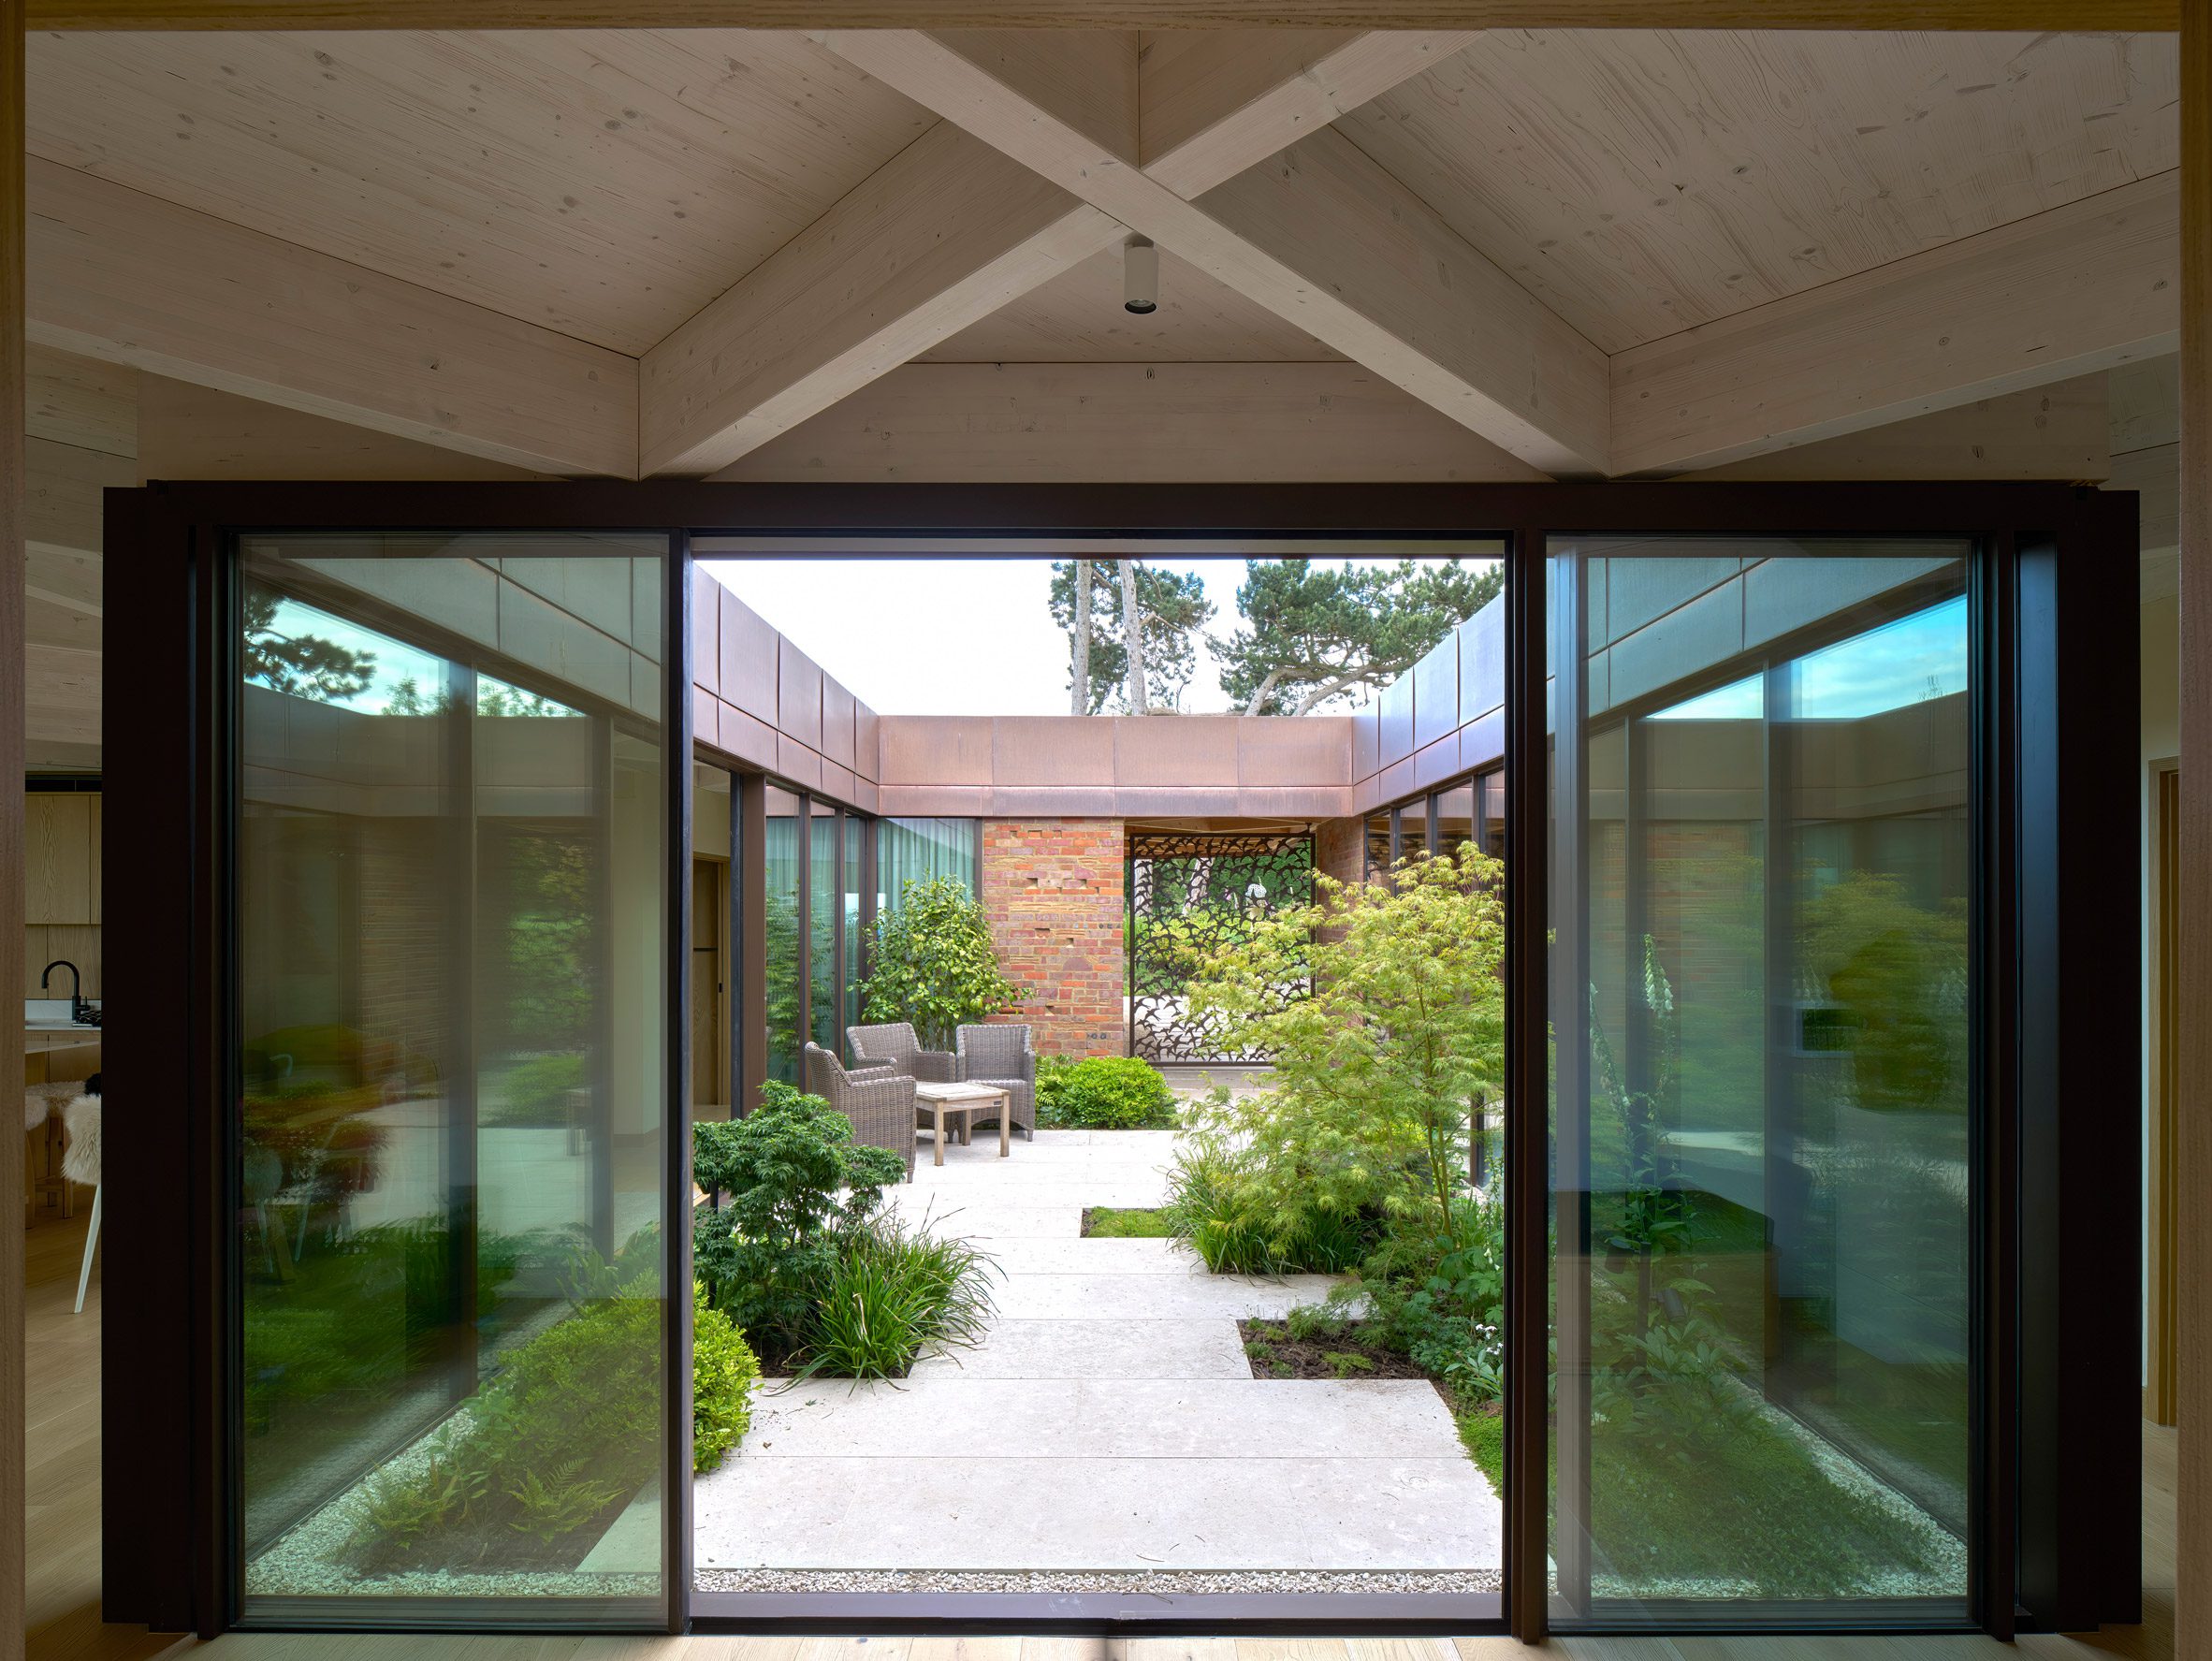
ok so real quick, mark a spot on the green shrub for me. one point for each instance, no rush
(1103, 1092)
(1439, 1297)
(933, 963)
(723, 1372)
(796, 1183)
(897, 1294)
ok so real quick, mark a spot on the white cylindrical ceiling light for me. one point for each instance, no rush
(1140, 276)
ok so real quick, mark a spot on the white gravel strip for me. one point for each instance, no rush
(1101, 1580)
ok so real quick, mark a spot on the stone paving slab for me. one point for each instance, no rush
(1298, 1511)
(1110, 1297)
(1172, 1347)
(943, 1416)
(1053, 1255)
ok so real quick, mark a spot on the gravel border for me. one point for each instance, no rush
(1095, 1579)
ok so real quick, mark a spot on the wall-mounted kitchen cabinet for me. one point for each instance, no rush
(61, 858)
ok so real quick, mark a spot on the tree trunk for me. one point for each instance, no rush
(1132, 625)
(1079, 686)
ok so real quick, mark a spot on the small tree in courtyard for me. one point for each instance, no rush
(932, 963)
(1377, 1073)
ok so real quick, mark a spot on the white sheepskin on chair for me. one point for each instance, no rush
(81, 1161)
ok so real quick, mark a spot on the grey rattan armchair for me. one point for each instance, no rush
(999, 1056)
(880, 1104)
(895, 1044)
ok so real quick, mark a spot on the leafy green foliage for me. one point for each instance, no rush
(405, 1512)
(895, 1293)
(1377, 1072)
(1313, 635)
(1171, 606)
(546, 1508)
(537, 1091)
(934, 964)
(796, 1183)
(567, 1430)
(1103, 1092)
(723, 1373)
(1439, 1296)
(1888, 964)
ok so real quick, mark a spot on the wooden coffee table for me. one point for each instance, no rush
(966, 1102)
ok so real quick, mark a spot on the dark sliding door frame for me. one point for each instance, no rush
(2056, 1259)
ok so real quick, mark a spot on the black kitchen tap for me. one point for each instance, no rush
(80, 1012)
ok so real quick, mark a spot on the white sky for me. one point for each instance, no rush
(951, 636)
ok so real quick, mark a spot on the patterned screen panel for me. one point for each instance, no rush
(1191, 894)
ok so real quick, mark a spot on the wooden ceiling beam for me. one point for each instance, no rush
(940, 236)
(129, 279)
(1321, 235)
(1100, 14)
(2080, 289)
(953, 228)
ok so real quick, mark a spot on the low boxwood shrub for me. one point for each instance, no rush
(723, 1372)
(1102, 1093)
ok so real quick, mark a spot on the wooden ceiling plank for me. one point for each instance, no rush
(604, 186)
(233, 309)
(1643, 182)
(82, 401)
(1321, 236)
(2078, 289)
(942, 236)
(1110, 422)
(1096, 14)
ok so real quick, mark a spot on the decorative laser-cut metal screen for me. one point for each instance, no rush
(1189, 894)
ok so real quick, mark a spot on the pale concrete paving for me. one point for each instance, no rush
(1109, 1422)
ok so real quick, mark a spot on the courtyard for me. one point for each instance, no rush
(1107, 1434)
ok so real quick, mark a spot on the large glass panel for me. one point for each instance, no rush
(918, 850)
(825, 907)
(855, 832)
(1760, 999)
(452, 880)
(784, 901)
(1455, 818)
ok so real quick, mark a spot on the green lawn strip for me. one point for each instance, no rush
(1482, 1434)
(1127, 1222)
(1764, 1512)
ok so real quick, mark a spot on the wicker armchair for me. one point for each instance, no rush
(999, 1056)
(881, 1104)
(896, 1046)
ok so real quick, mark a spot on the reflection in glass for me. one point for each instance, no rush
(451, 887)
(1378, 846)
(855, 832)
(780, 975)
(824, 902)
(1759, 898)
(1455, 818)
(918, 850)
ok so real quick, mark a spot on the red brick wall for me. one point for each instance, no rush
(1051, 889)
(1340, 847)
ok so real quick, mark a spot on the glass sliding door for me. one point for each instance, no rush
(1761, 992)
(451, 902)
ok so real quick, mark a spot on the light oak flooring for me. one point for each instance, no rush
(64, 1364)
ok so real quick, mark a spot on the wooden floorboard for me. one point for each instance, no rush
(64, 1522)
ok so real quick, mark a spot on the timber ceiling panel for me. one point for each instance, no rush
(1641, 182)
(606, 185)
(1078, 318)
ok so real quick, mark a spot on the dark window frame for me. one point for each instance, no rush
(2052, 552)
